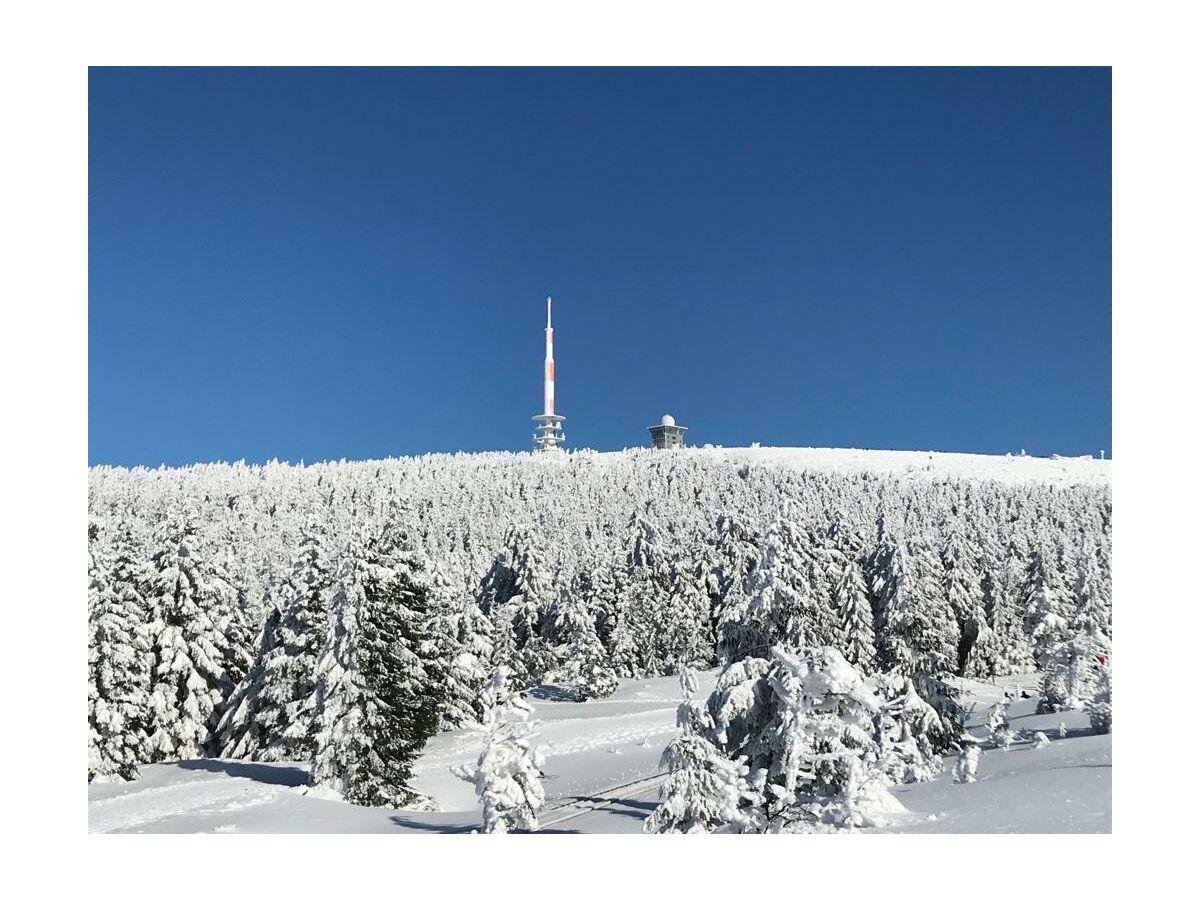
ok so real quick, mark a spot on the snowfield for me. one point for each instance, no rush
(602, 776)
(927, 464)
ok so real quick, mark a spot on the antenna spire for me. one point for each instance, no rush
(549, 434)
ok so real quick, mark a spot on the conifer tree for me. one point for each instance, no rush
(968, 760)
(906, 727)
(823, 563)
(782, 609)
(1089, 650)
(1099, 707)
(930, 681)
(856, 636)
(879, 573)
(376, 704)
(187, 644)
(805, 725)
(1012, 652)
(505, 651)
(737, 553)
(595, 584)
(520, 578)
(1045, 606)
(118, 660)
(583, 662)
(916, 618)
(823, 743)
(686, 638)
(643, 592)
(269, 715)
(999, 729)
(462, 636)
(964, 591)
(704, 790)
(507, 775)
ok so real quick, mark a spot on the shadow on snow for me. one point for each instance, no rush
(288, 776)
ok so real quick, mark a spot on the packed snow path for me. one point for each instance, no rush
(602, 776)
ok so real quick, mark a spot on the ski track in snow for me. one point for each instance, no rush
(610, 738)
(659, 721)
(138, 808)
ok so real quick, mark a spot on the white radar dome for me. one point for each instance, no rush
(667, 420)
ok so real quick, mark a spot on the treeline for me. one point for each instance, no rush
(341, 613)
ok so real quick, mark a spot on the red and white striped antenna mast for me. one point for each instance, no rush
(548, 436)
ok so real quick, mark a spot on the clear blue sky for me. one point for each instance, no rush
(314, 264)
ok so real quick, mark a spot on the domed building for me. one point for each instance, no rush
(666, 435)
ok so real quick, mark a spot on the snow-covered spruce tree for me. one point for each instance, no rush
(824, 568)
(968, 759)
(583, 662)
(375, 703)
(704, 790)
(642, 598)
(1054, 694)
(781, 610)
(641, 620)
(856, 636)
(905, 729)
(269, 715)
(1046, 606)
(507, 776)
(1073, 667)
(687, 638)
(1093, 587)
(1099, 707)
(824, 747)
(505, 651)
(878, 572)
(1010, 647)
(520, 578)
(737, 551)
(595, 584)
(118, 659)
(805, 725)
(916, 619)
(964, 590)
(251, 723)
(999, 729)
(462, 636)
(187, 643)
(932, 683)
(1090, 653)
(237, 616)
(1069, 662)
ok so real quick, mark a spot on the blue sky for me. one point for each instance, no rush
(315, 264)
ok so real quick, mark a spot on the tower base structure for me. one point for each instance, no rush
(666, 435)
(548, 435)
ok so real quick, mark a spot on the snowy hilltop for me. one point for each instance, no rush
(1011, 468)
(347, 616)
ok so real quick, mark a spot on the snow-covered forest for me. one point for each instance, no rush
(343, 613)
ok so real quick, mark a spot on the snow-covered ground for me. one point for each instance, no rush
(1063, 787)
(602, 776)
(922, 463)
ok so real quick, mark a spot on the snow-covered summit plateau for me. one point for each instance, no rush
(921, 463)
